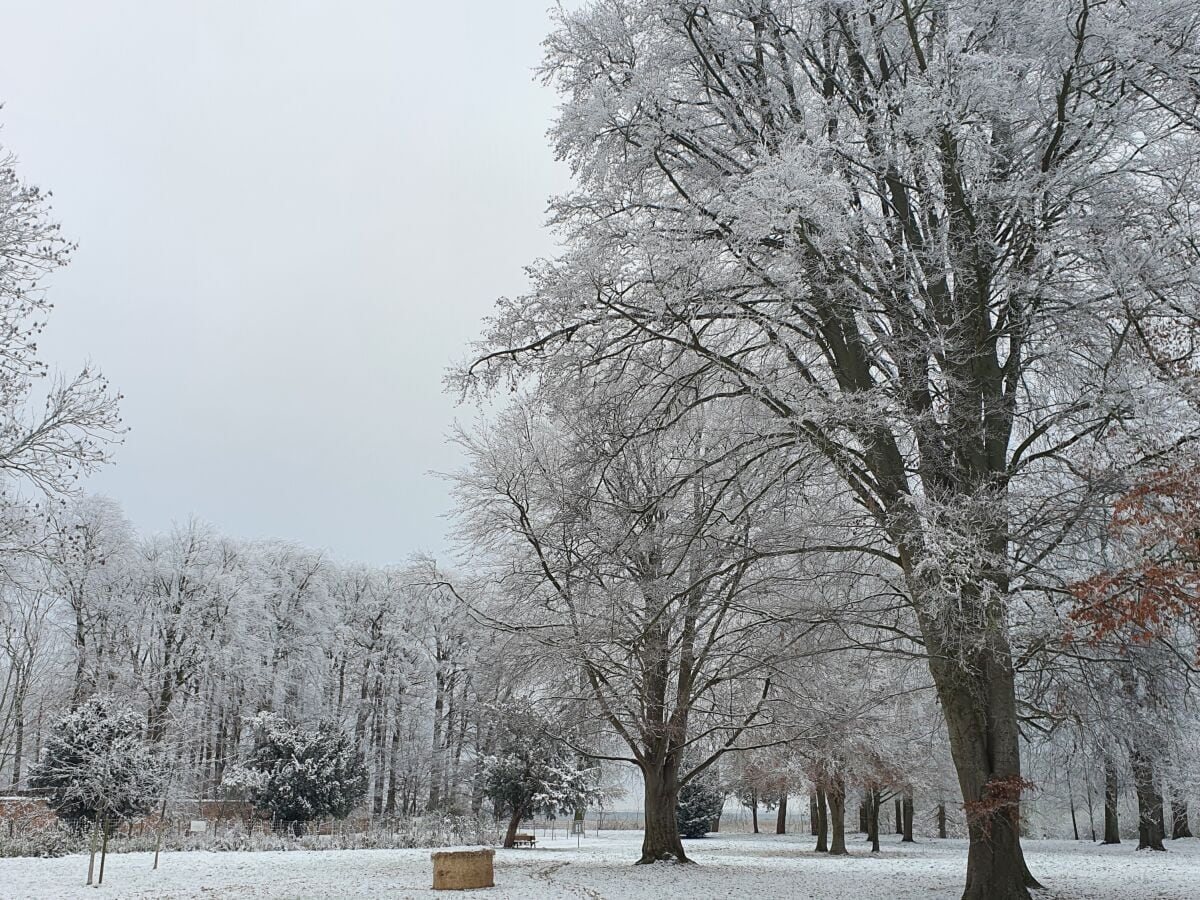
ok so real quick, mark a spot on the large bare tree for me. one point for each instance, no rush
(922, 236)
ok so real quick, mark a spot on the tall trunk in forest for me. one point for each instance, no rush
(754, 810)
(781, 814)
(18, 717)
(1112, 831)
(821, 822)
(1149, 801)
(1179, 816)
(438, 751)
(863, 827)
(899, 816)
(836, 795)
(907, 809)
(812, 812)
(872, 809)
(941, 817)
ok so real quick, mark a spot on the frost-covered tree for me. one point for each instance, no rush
(531, 773)
(700, 804)
(297, 774)
(923, 239)
(650, 564)
(97, 768)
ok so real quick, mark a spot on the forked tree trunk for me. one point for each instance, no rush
(837, 816)
(1112, 830)
(822, 822)
(661, 840)
(979, 701)
(781, 814)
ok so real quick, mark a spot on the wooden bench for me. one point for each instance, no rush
(524, 840)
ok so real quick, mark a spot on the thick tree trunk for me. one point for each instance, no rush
(979, 702)
(510, 836)
(1150, 806)
(661, 840)
(899, 817)
(837, 816)
(822, 822)
(941, 814)
(1179, 817)
(781, 814)
(1112, 830)
(907, 808)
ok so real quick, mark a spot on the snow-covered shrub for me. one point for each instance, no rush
(298, 775)
(95, 765)
(700, 803)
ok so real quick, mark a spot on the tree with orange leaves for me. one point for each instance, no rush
(1157, 527)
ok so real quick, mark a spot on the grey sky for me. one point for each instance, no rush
(291, 217)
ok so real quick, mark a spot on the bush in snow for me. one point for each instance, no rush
(95, 767)
(299, 775)
(533, 773)
(700, 802)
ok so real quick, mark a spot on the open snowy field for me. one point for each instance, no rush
(762, 866)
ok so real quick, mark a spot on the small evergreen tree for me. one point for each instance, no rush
(534, 773)
(299, 775)
(97, 769)
(700, 802)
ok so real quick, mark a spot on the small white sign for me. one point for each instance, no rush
(199, 826)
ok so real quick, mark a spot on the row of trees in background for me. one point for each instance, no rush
(202, 634)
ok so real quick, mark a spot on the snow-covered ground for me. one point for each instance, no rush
(762, 866)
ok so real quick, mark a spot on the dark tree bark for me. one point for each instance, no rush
(754, 810)
(1112, 831)
(781, 814)
(822, 822)
(514, 823)
(979, 702)
(812, 812)
(907, 808)
(661, 840)
(1179, 817)
(941, 816)
(836, 795)
(1150, 806)
(872, 810)
(899, 817)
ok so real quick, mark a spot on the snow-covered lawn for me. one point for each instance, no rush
(750, 866)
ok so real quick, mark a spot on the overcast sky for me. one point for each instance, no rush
(291, 217)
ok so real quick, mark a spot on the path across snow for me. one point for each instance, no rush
(754, 866)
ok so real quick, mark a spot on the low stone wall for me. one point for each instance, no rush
(458, 870)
